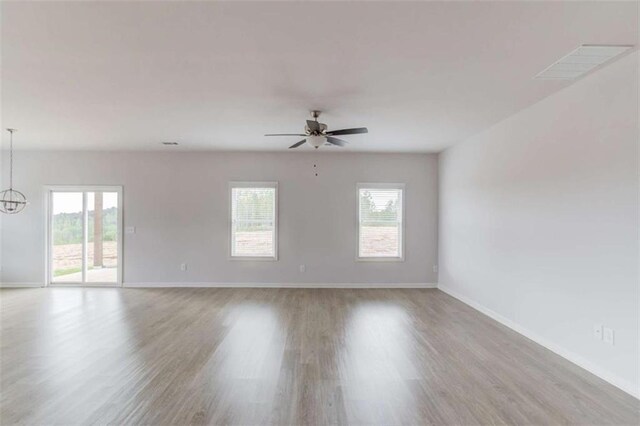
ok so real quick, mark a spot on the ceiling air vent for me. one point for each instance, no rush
(170, 143)
(581, 61)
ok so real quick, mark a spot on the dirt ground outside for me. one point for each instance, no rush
(254, 243)
(377, 241)
(69, 256)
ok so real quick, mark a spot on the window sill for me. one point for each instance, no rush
(254, 258)
(380, 259)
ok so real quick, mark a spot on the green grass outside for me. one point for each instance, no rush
(68, 271)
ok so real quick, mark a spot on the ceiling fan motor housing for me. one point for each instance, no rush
(323, 128)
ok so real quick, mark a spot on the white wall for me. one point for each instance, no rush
(178, 203)
(539, 221)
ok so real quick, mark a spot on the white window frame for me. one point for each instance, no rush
(48, 202)
(401, 246)
(274, 185)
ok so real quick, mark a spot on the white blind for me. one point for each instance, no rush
(380, 224)
(253, 221)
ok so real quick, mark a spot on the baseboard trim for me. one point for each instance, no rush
(226, 285)
(274, 285)
(20, 285)
(578, 360)
(85, 285)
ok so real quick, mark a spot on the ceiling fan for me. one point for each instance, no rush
(317, 134)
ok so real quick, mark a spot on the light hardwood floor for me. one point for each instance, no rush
(281, 356)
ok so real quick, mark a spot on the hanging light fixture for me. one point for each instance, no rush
(12, 201)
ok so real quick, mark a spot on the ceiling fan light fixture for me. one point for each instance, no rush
(316, 141)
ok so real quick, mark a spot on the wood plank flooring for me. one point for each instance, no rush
(281, 356)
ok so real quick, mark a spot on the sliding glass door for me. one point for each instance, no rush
(84, 242)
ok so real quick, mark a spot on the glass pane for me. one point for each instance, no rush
(66, 234)
(380, 222)
(253, 213)
(102, 236)
(379, 240)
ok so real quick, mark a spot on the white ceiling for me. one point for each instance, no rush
(420, 76)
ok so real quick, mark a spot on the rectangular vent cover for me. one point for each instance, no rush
(581, 61)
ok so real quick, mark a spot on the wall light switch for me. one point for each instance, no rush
(183, 266)
(597, 331)
(130, 230)
(609, 336)
(303, 268)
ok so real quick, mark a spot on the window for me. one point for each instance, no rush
(254, 213)
(380, 221)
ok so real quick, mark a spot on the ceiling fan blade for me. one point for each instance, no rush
(336, 141)
(314, 126)
(285, 134)
(297, 144)
(348, 131)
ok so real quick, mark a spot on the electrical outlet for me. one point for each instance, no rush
(597, 331)
(608, 336)
(303, 268)
(130, 230)
(435, 268)
(183, 266)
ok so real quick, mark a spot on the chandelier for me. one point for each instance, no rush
(11, 201)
